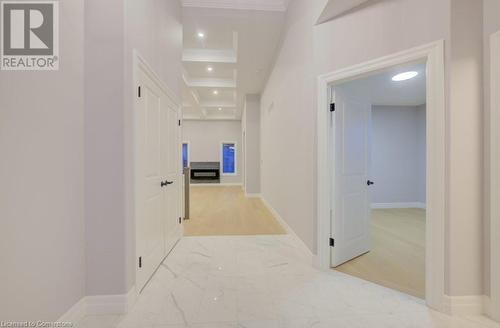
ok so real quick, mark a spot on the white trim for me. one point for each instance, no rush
(398, 205)
(236, 184)
(100, 305)
(495, 176)
(110, 304)
(487, 305)
(264, 5)
(250, 195)
(288, 229)
(222, 143)
(75, 314)
(463, 305)
(433, 54)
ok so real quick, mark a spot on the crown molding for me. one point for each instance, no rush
(262, 5)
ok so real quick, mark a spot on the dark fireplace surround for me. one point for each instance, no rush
(205, 172)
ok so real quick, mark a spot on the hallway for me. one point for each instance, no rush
(225, 210)
(266, 282)
(125, 104)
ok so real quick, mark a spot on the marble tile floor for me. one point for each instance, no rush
(267, 282)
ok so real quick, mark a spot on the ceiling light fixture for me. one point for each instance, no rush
(210, 68)
(404, 76)
(216, 92)
(220, 108)
(201, 35)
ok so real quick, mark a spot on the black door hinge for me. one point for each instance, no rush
(332, 107)
(140, 261)
(180, 220)
(332, 242)
(139, 92)
(179, 122)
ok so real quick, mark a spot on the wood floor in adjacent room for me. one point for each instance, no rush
(224, 210)
(397, 258)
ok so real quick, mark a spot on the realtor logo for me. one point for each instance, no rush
(29, 35)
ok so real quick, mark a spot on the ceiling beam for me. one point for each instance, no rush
(210, 55)
(262, 5)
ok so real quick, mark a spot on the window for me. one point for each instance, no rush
(228, 158)
(185, 154)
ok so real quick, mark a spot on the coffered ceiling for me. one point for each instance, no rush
(229, 47)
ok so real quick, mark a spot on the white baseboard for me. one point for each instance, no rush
(287, 228)
(75, 314)
(399, 205)
(100, 305)
(110, 304)
(487, 305)
(464, 305)
(252, 195)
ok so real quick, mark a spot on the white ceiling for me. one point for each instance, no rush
(380, 90)
(239, 45)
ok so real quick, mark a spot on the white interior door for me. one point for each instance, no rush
(351, 200)
(158, 164)
(172, 197)
(150, 169)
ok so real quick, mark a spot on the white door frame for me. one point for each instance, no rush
(433, 55)
(140, 64)
(494, 175)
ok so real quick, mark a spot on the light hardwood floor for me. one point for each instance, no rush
(226, 211)
(397, 258)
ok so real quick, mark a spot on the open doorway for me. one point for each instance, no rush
(225, 62)
(218, 204)
(379, 178)
(330, 247)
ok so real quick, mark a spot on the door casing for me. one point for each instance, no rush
(494, 307)
(433, 55)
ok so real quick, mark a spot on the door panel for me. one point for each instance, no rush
(173, 170)
(158, 161)
(150, 200)
(351, 203)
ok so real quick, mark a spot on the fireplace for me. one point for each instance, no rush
(205, 172)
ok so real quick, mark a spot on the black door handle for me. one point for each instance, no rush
(166, 183)
(369, 183)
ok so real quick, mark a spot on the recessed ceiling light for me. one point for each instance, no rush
(201, 35)
(210, 68)
(220, 108)
(215, 92)
(404, 76)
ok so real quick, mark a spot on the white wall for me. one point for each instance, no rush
(104, 147)
(421, 154)
(205, 139)
(113, 29)
(251, 128)
(41, 195)
(369, 32)
(464, 267)
(491, 10)
(289, 130)
(397, 155)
